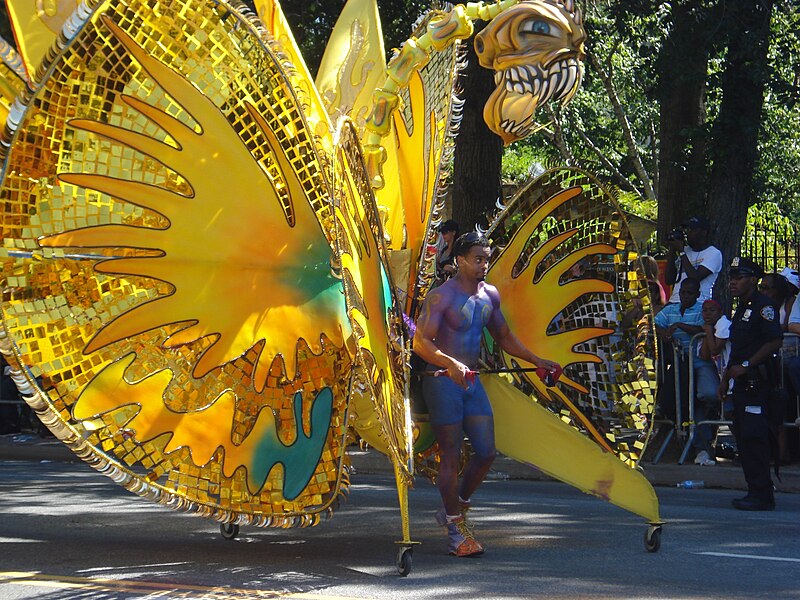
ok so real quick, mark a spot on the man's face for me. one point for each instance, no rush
(742, 284)
(769, 288)
(689, 294)
(475, 264)
(695, 236)
(711, 313)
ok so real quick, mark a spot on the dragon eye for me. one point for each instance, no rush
(537, 27)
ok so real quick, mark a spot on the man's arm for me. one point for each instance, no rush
(762, 354)
(712, 345)
(665, 332)
(794, 318)
(698, 273)
(689, 328)
(427, 327)
(674, 249)
(509, 342)
(663, 328)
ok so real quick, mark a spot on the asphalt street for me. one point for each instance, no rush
(68, 532)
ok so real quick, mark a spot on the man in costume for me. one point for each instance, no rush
(756, 335)
(448, 338)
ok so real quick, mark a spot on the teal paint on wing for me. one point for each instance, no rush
(300, 458)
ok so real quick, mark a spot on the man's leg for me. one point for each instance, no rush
(450, 439)
(752, 440)
(706, 384)
(460, 540)
(480, 431)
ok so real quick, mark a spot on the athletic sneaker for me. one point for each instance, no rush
(704, 459)
(461, 542)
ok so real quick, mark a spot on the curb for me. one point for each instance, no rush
(724, 475)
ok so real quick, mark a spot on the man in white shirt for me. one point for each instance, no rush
(693, 257)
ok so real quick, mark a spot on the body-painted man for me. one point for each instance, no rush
(448, 338)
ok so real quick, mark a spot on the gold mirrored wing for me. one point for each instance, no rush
(573, 290)
(381, 413)
(168, 282)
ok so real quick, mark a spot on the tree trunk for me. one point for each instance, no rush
(478, 152)
(736, 129)
(681, 165)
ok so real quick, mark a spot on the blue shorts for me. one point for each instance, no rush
(449, 403)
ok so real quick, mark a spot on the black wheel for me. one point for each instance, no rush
(404, 561)
(229, 530)
(652, 538)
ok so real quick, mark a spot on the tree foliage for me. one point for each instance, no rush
(690, 85)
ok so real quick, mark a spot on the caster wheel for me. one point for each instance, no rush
(404, 561)
(652, 538)
(229, 531)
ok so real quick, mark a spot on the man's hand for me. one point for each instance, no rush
(722, 389)
(548, 365)
(731, 372)
(676, 246)
(736, 371)
(668, 332)
(459, 373)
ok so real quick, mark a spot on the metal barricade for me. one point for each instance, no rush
(675, 426)
(790, 348)
(697, 339)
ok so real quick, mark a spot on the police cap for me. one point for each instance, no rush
(743, 266)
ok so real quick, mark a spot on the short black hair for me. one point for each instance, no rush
(695, 282)
(447, 226)
(467, 241)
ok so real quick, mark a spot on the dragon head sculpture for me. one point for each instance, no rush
(536, 50)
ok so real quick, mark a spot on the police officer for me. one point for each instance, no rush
(756, 336)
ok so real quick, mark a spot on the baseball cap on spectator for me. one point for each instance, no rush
(791, 276)
(448, 225)
(743, 266)
(698, 223)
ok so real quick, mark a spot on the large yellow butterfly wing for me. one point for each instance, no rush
(169, 282)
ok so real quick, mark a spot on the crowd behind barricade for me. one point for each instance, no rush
(741, 371)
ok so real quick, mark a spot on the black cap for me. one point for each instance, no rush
(448, 225)
(698, 223)
(742, 265)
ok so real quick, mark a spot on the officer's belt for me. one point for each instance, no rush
(757, 372)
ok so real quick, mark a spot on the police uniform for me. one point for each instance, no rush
(755, 323)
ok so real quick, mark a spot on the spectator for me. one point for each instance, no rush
(695, 257)
(756, 336)
(714, 349)
(777, 289)
(445, 266)
(675, 325)
(793, 281)
(658, 295)
(790, 440)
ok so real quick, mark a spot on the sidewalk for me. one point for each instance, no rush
(724, 475)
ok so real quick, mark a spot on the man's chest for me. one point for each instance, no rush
(748, 322)
(469, 312)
